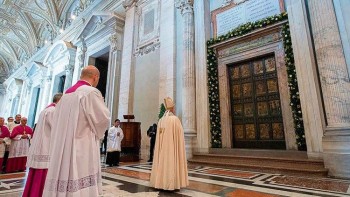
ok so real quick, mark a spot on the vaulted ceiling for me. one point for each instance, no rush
(27, 25)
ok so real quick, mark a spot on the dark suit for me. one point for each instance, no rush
(152, 133)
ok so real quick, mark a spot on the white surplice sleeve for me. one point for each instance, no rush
(96, 112)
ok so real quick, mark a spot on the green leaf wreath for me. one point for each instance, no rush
(213, 81)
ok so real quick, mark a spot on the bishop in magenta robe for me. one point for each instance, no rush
(4, 136)
(19, 147)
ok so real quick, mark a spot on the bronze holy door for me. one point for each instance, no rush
(255, 104)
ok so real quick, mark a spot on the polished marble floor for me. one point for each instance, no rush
(132, 179)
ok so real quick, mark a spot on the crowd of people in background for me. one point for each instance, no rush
(15, 136)
(69, 132)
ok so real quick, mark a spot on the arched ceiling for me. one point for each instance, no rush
(26, 25)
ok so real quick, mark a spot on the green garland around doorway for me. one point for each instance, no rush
(213, 80)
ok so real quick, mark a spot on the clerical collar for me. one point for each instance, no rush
(51, 105)
(85, 81)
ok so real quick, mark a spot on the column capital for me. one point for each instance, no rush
(29, 84)
(186, 6)
(113, 39)
(127, 4)
(48, 78)
(69, 68)
(83, 47)
(42, 83)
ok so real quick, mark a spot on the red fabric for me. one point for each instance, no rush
(35, 183)
(4, 132)
(76, 86)
(19, 130)
(1, 160)
(16, 164)
(51, 105)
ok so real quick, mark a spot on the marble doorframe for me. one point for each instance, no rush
(103, 32)
(59, 61)
(256, 44)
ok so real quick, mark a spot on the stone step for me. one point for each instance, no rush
(272, 164)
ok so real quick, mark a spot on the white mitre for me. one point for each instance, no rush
(169, 103)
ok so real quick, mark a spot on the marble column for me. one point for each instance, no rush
(202, 30)
(46, 90)
(69, 69)
(22, 94)
(28, 95)
(188, 75)
(167, 59)
(113, 78)
(342, 8)
(126, 96)
(16, 105)
(82, 54)
(335, 85)
(41, 97)
(307, 75)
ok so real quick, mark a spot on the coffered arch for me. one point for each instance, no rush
(27, 25)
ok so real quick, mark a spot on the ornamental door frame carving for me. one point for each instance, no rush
(259, 43)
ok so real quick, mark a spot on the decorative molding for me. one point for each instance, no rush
(229, 4)
(69, 68)
(148, 18)
(147, 49)
(186, 6)
(127, 4)
(29, 84)
(49, 78)
(114, 42)
(2, 89)
(250, 44)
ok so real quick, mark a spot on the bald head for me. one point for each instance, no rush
(91, 75)
(23, 121)
(89, 72)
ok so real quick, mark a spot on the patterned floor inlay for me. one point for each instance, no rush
(12, 175)
(247, 193)
(329, 185)
(205, 187)
(132, 179)
(129, 173)
(231, 173)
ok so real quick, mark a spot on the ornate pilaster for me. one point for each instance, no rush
(308, 83)
(83, 49)
(167, 52)
(113, 79)
(127, 73)
(69, 76)
(335, 85)
(16, 105)
(189, 84)
(202, 30)
(25, 96)
(47, 89)
(127, 4)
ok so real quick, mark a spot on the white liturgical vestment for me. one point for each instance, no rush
(80, 121)
(169, 168)
(38, 155)
(114, 141)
